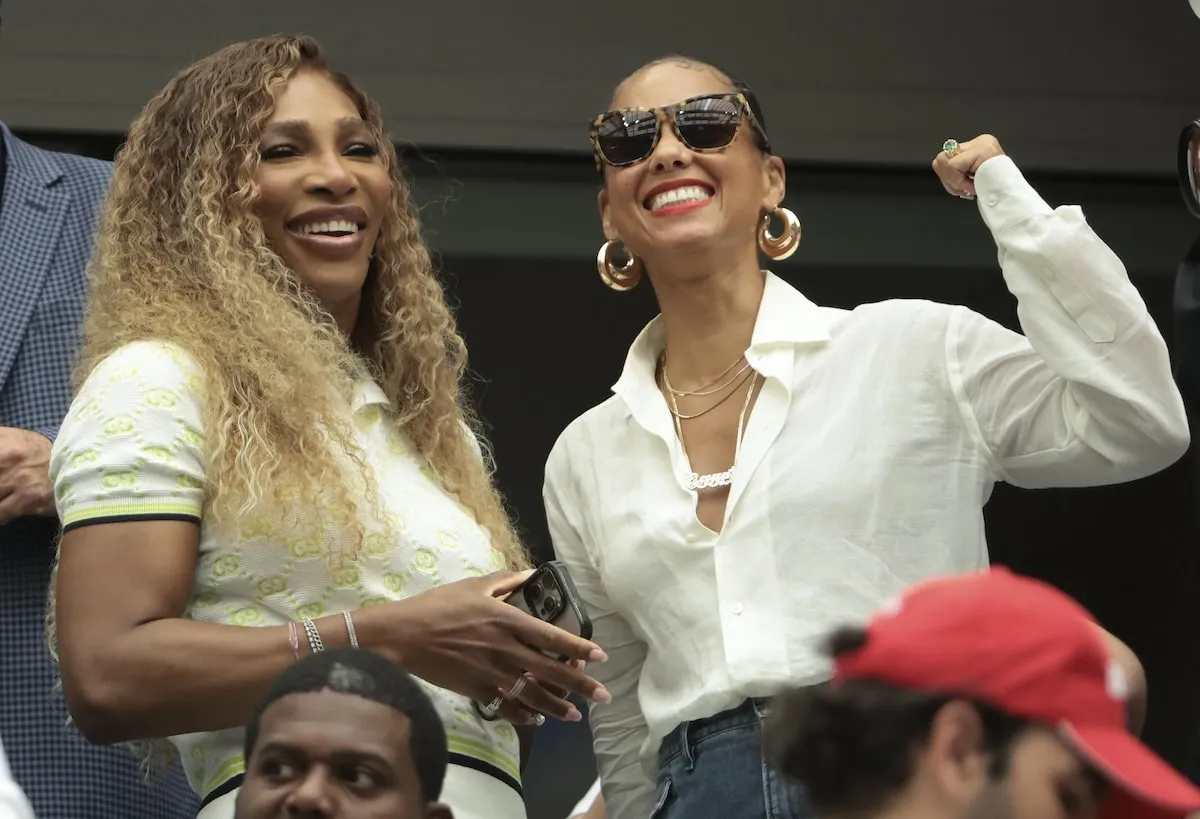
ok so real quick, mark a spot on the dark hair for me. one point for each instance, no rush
(362, 673)
(764, 142)
(853, 746)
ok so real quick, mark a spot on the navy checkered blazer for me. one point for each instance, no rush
(48, 212)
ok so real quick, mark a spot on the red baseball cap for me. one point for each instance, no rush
(1028, 650)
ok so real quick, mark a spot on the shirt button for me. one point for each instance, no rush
(992, 200)
(738, 608)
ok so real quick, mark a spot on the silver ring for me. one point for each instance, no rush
(539, 719)
(490, 711)
(516, 689)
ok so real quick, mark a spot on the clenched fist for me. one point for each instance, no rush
(25, 487)
(957, 172)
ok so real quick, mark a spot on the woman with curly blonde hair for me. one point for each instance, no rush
(268, 452)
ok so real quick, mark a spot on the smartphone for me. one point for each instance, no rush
(550, 596)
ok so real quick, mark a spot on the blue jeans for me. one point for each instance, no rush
(714, 769)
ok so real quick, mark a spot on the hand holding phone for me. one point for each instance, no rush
(550, 596)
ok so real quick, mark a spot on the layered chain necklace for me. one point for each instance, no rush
(730, 381)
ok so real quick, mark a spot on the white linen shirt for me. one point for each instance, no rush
(865, 465)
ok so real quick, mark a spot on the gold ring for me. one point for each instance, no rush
(950, 147)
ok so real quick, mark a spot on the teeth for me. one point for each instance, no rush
(691, 193)
(335, 227)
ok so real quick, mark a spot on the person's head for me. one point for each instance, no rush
(980, 696)
(344, 734)
(259, 218)
(685, 180)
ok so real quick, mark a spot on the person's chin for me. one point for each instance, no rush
(682, 238)
(333, 281)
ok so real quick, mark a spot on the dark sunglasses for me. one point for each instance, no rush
(703, 124)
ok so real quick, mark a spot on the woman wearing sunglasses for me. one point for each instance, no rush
(769, 468)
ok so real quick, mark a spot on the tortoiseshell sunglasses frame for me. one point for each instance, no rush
(666, 115)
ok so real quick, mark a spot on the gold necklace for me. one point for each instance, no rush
(707, 389)
(694, 480)
(675, 406)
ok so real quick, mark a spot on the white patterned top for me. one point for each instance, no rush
(131, 448)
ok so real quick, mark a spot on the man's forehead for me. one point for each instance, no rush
(329, 717)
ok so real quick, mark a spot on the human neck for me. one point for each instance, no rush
(708, 320)
(345, 314)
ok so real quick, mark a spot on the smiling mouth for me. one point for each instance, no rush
(335, 228)
(677, 196)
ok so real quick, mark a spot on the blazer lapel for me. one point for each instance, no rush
(32, 209)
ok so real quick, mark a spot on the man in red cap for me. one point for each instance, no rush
(973, 696)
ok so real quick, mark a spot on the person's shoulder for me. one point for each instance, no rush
(152, 363)
(84, 177)
(86, 167)
(907, 316)
(81, 174)
(581, 432)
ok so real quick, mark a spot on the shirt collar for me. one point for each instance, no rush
(367, 393)
(785, 319)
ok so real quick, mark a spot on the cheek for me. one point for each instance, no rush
(273, 198)
(378, 185)
(255, 801)
(1034, 794)
(623, 201)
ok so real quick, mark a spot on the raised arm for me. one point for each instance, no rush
(1085, 396)
(618, 729)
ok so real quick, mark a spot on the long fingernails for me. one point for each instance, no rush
(601, 696)
(597, 656)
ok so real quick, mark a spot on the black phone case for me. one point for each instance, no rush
(572, 616)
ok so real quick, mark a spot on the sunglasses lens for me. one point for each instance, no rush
(624, 138)
(706, 124)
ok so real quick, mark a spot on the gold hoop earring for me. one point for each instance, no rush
(785, 244)
(625, 277)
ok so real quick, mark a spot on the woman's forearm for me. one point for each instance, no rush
(177, 676)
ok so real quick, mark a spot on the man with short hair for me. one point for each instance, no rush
(344, 734)
(978, 695)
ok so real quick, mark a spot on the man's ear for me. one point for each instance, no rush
(955, 754)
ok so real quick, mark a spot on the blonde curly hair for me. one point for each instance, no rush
(181, 257)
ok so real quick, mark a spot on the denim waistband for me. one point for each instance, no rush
(685, 735)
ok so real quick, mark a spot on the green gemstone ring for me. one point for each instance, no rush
(950, 146)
